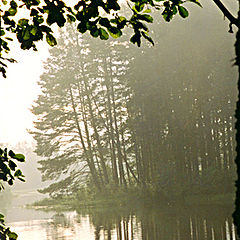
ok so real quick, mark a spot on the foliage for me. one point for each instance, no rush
(8, 167)
(100, 18)
(8, 173)
(5, 233)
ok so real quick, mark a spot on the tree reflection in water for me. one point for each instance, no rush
(169, 223)
(173, 223)
(61, 227)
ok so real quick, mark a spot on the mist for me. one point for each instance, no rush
(132, 143)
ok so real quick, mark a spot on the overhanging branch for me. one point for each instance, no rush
(227, 14)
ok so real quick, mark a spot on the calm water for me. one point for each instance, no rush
(165, 223)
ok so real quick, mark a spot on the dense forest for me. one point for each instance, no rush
(160, 119)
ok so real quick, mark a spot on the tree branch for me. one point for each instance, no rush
(227, 14)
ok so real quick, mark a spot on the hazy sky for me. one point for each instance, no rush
(17, 93)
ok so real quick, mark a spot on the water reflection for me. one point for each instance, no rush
(62, 226)
(171, 223)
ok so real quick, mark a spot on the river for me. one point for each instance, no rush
(162, 223)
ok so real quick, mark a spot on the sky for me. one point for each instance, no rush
(17, 93)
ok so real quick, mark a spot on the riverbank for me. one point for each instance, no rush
(128, 199)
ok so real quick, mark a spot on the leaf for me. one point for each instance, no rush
(121, 19)
(19, 157)
(114, 32)
(3, 64)
(183, 11)
(112, 4)
(196, 2)
(1, 216)
(18, 173)
(3, 71)
(94, 32)
(40, 20)
(148, 38)
(167, 15)
(11, 60)
(147, 11)
(34, 30)
(10, 182)
(71, 18)
(174, 10)
(104, 22)
(103, 34)
(12, 235)
(26, 34)
(34, 12)
(140, 25)
(12, 165)
(139, 6)
(26, 45)
(13, 4)
(21, 179)
(51, 40)
(22, 22)
(55, 15)
(12, 11)
(145, 17)
(114, 21)
(3, 177)
(136, 38)
(82, 28)
(11, 153)
(45, 29)
(9, 39)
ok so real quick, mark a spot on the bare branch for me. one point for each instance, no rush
(227, 14)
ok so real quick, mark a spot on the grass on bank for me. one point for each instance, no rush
(131, 198)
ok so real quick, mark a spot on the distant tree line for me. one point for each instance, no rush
(109, 117)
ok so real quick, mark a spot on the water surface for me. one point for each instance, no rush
(180, 222)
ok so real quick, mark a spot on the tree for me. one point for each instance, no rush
(176, 109)
(8, 173)
(81, 113)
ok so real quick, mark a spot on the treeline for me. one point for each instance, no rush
(110, 116)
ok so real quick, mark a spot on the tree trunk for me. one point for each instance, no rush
(111, 121)
(89, 160)
(119, 151)
(236, 214)
(99, 146)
